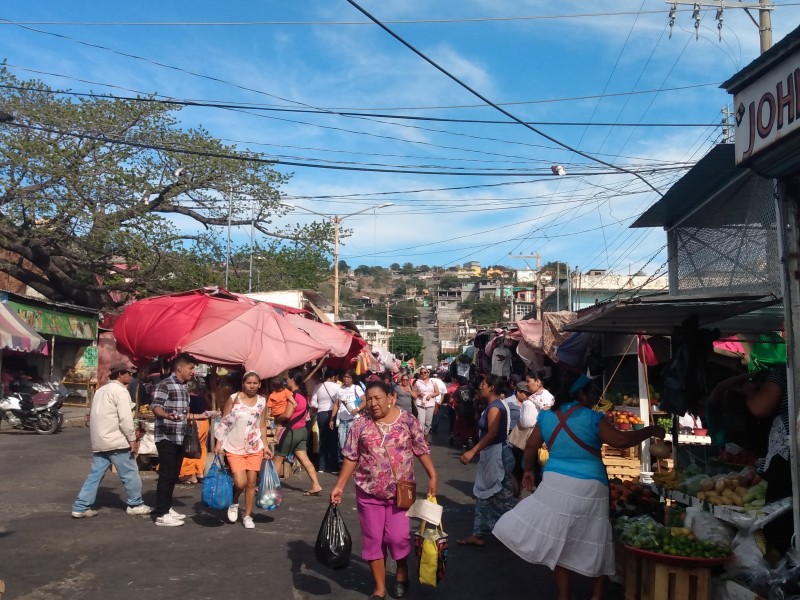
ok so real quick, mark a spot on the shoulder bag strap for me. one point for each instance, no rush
(383, 438)
(563, 424)
(298, 418)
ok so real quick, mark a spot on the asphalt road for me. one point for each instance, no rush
(430, 348)
(46, 555)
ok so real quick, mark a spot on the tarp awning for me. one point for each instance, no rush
(660, 315)
(16, 334)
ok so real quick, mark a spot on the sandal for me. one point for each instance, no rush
(310, 493)
(471, 541)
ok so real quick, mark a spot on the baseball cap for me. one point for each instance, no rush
(522, 386)
(121, 367)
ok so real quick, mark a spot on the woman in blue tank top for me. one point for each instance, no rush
(494, 488)
(564, 524)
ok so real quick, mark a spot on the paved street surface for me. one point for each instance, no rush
(430, 348)
(47, 555)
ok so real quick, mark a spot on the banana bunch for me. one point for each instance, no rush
(604, 405)
(667, 479)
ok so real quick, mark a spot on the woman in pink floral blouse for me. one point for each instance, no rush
(380, 449)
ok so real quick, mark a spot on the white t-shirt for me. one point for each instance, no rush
(324, 395)
(442, 387)
(348, 400)
(501, 361)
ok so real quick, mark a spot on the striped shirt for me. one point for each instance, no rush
(172, 396)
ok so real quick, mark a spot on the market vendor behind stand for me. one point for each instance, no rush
(767, 399)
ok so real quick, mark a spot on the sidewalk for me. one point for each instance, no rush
(74, 416)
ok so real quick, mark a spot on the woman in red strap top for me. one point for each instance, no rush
(564, 523)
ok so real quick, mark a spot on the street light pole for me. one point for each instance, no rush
(336, 221)
(228, 253)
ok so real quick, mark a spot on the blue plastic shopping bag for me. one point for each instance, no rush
(217, 486)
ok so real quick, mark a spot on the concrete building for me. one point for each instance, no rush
(374, 333)
(595, 286)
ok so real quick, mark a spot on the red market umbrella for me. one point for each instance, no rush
(259, 338)
(156, 326)
(337, 340)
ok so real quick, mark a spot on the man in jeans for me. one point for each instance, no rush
(170, 406)
(113, 443)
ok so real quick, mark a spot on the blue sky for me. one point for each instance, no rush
(608, 64)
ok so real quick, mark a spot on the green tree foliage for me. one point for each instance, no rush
(449, 282)
(424, 269)
(90, 191)
(487, 311)
(407, 344)
(394, 266)
(407, 268)
(343, 266)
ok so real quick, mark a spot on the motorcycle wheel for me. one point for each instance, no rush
(46, 424)
(60, 419)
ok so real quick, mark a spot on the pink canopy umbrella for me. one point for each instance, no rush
(336, 340)
(156, 326)
(259, 338)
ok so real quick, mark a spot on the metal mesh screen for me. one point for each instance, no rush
(730, 245)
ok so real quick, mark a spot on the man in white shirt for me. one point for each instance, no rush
(114, 441)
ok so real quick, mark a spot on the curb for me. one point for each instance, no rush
(74, 423)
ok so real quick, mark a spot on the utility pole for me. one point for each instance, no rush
(764, 23)
(558, 286)
(336, 221)
(727, 130)
(538, 258)
(387, 317)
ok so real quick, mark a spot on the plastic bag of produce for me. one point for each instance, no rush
(639, 532)
(268, 495)
(710, 529)
(692, 485)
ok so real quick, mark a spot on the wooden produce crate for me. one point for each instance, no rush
(626, 469)
(607, 450)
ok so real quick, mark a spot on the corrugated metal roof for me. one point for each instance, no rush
(712, 174)
(660, 315)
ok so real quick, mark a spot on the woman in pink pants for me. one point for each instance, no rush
(380, 449)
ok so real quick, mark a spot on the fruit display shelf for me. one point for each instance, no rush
(734, 515)
(699, 440)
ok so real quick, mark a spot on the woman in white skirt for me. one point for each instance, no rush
(565, 523)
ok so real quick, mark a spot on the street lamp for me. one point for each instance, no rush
(336, 221)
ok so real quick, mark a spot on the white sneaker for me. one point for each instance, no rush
(87, 513)
(168, 521)
(233, 513)
(248, 523)
(142, 509)
(176, 515)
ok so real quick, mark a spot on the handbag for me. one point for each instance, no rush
(191, 441)
(518, 436)
(431, 546)
(405, 489)
(217, 486)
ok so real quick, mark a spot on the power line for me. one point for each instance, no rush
(498, 108)
(318, 111)
(318, 23)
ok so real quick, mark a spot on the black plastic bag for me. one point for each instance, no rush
(333, 540)
(191, 441)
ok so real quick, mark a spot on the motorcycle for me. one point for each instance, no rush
(34, 406)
